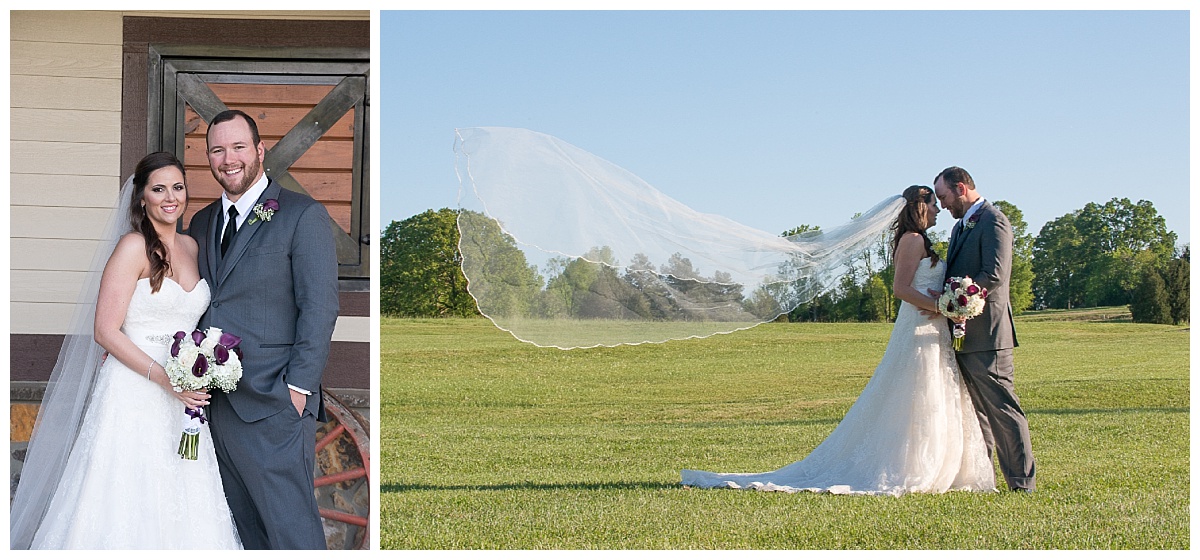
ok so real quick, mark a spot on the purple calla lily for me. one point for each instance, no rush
(179, 336)
(201, 366)
(962, 301)
(271, 204)
(220, 354)
(197, 337)
(229, 341)
(972, 290)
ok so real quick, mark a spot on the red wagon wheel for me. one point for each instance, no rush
(342, 480)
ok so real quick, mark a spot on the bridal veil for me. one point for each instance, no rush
(564, 249)
(68, 392)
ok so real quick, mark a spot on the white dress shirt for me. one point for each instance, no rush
(963, 222)
(244, 205)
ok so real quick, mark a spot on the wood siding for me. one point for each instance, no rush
(65, 148)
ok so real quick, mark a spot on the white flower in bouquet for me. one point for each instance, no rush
(179, 367)
(211, 337)
(226, 376)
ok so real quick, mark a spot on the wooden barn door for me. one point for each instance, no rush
(312, 113)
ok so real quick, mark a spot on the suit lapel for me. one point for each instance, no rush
(214, 248)
(244, 235)
(957, 241)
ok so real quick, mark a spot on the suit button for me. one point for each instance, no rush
(216, 304)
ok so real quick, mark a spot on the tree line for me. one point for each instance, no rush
(1111, 254)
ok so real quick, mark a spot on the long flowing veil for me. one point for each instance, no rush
(68, 392)
(564, 249)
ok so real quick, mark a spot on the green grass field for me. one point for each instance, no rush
(490, 443)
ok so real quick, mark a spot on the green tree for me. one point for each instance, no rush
(1058, 264)
(877, 300)
(1121, 241)
(1099, 254)
(1177, 279)
(501, 279)
(420, 273)
(1151, 304)
(1020, 284)
(801, 229)
(586, 288)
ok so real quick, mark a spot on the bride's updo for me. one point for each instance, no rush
(156, 252)
(914, 218)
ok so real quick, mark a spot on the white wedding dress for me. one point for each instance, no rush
(125, 486)
(913, 428)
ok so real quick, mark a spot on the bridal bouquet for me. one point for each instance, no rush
(961, 299)
(202, 360)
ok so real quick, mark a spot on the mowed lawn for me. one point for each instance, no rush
(491, 443)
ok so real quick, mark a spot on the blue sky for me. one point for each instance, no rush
(776, 119)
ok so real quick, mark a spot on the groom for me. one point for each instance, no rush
(981, 247)
(269, 259)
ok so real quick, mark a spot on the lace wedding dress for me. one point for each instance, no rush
(125, 486)
(913, 428)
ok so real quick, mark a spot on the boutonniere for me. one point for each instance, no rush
(264, 210)
(970, 223)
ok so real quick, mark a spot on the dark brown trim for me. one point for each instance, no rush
(354, 304)
(32, 356)
(32, 359)
(349, 365)
(139, 32)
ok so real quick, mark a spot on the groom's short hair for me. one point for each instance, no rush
(230, 114)
(953, 175)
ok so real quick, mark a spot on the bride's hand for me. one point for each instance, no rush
(932, 314)
(190, 399)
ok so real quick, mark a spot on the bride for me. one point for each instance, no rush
(102, 469)
(913, 428)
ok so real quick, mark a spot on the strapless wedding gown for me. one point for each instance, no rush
(125, 486)
(913, 428)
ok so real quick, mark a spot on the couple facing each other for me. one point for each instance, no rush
(930, 417)
(102, 469)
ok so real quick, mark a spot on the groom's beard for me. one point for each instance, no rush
(243, 182)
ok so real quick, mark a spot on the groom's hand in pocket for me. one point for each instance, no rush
(298, 401)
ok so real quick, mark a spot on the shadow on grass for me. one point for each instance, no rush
(746, 424)
(1144, 410)
(389, 488)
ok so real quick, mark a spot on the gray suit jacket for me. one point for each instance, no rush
(984, 252)
(277, 289)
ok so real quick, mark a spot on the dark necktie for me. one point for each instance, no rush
(230, 229)
(955, 237)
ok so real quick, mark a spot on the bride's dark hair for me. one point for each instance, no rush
(913, 218)
(156, 252)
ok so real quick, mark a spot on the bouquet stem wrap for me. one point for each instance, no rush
(189, 441)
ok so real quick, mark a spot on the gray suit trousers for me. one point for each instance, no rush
(989, 377)
(262, 481)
